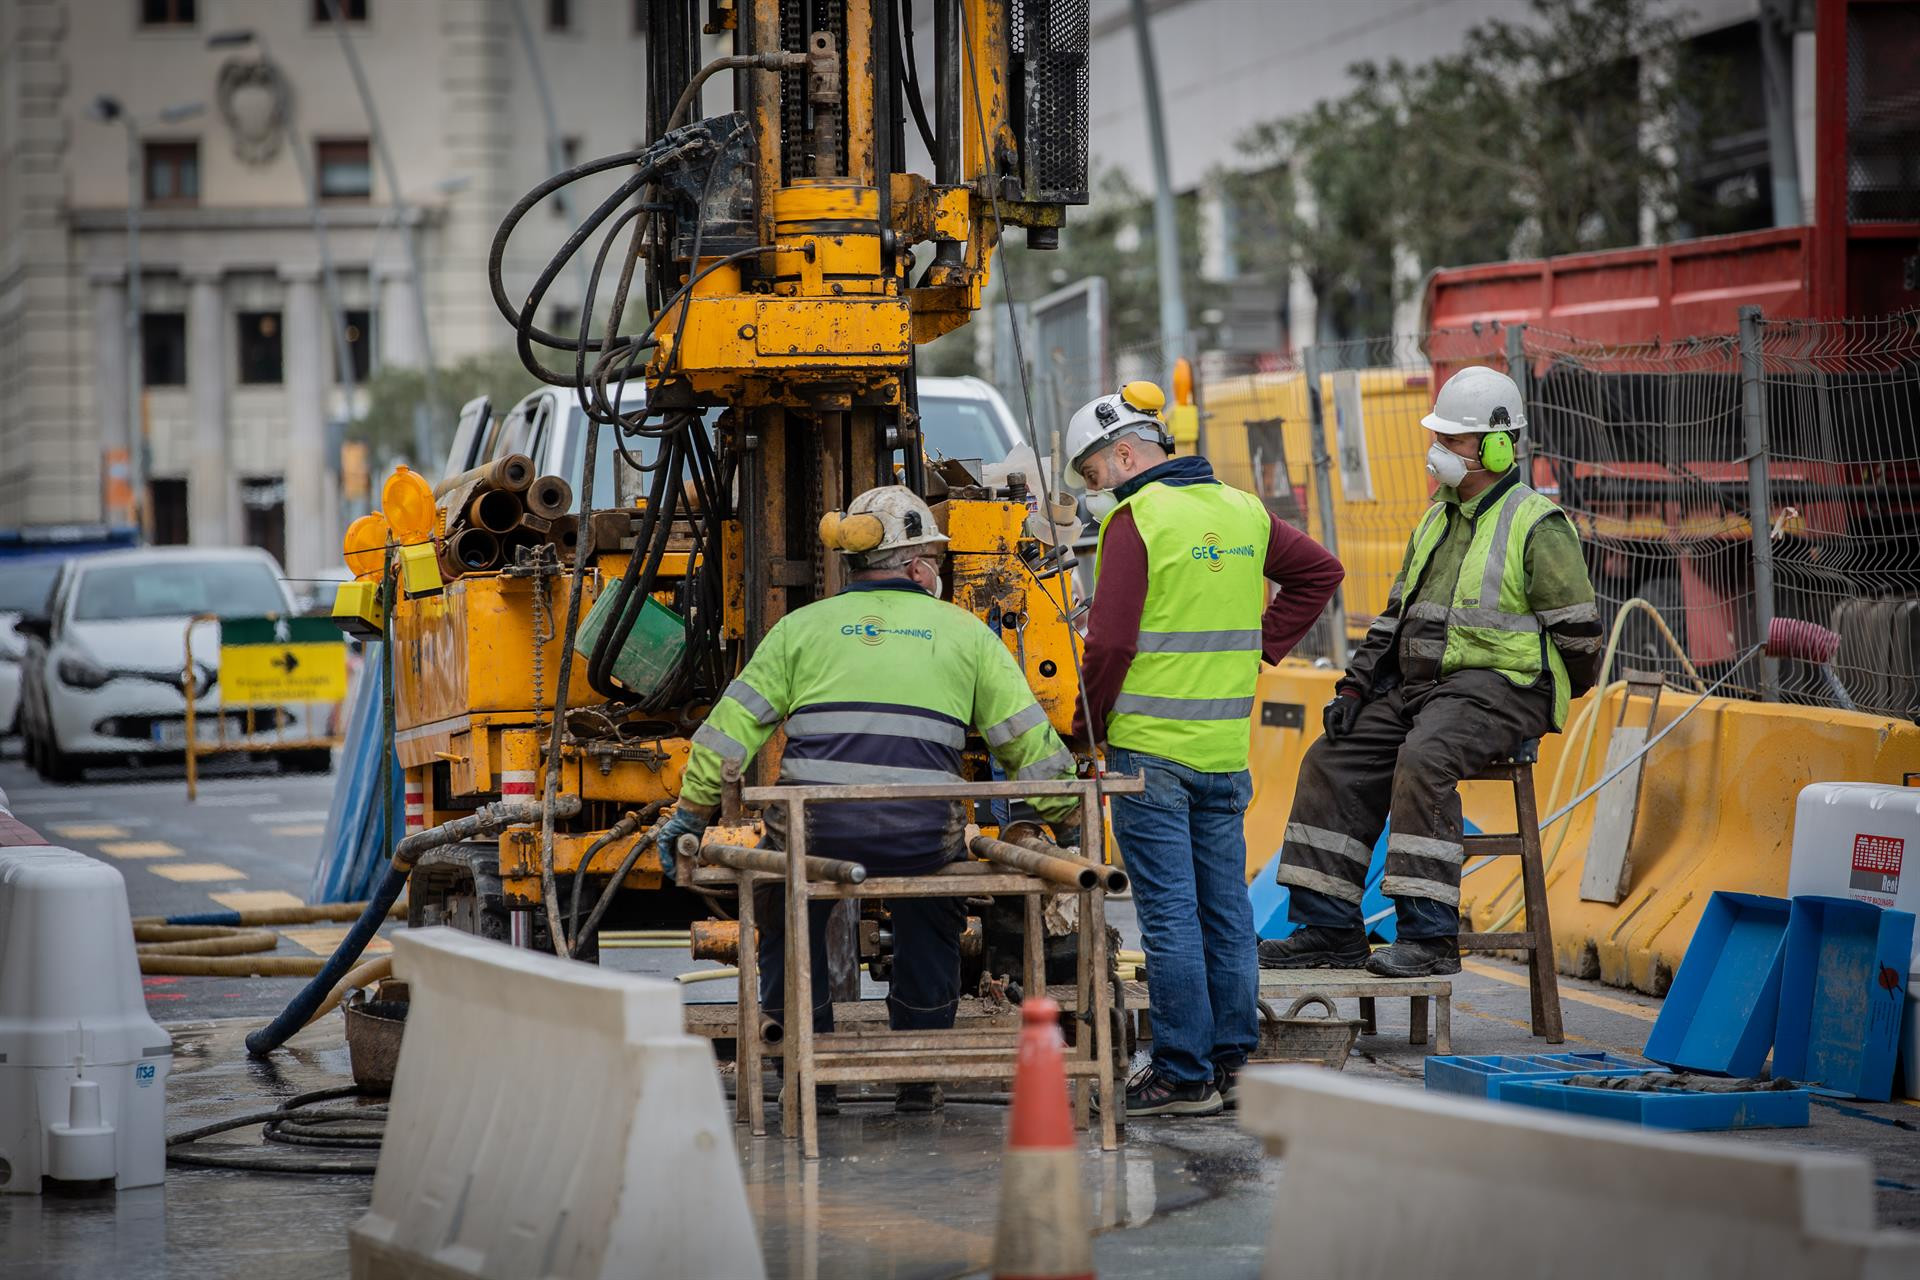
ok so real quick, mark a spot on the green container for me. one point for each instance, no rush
(653, 647)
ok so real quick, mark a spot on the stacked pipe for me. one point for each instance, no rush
(492, 511)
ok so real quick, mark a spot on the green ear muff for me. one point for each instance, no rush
(1496, 451)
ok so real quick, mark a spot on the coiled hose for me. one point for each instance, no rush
(229, 944)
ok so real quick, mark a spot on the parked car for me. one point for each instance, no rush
(102, 678)
(30, 559)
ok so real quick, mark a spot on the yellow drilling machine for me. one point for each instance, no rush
(767, 273)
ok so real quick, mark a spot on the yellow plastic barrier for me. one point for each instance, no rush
(1716, 813)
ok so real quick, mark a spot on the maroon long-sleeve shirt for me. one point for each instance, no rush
(1306, 573)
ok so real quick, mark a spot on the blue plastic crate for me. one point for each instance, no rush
(1719, 1015)
(1485, 1076)
(1671, 1110)
(1843, 987)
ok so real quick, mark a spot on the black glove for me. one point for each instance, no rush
(1340, 714)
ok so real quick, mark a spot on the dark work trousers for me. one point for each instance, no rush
(925, 989)
(1406, 754)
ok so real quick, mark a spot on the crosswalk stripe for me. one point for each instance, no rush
(140, 849)
(192, 872)
(240, 800)
(322, 940)
(299, 829)
(256, 899)
(296, 815)
(89, 831)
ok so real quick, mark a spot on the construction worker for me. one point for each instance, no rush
(1489, 629)
(1179, 625)
(879, 683)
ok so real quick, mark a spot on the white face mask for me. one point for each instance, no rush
(1100, 503)
(1444, 465)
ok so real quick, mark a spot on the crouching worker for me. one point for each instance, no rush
(878, 684)
(1489, 630)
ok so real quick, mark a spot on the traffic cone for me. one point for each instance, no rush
(1042, 1232)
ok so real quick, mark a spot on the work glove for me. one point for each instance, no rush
(685, 822)
(1340, 714)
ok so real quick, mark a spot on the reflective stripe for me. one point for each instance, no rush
(1319, 882)
(1198, 641)
(834, 772)
(1431, 650)
(1426, 611)
(719, 742)
(1055, 765)
(1496, 567)
(749, 697)
(1414, 887)
(893, 724)
(1028, 717)
(1329, 841)
(1138, 704)
(1588, 612)
(1579, 644)
(1492, 619)
(1426, 847)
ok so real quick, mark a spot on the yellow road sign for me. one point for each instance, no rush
(281, 660)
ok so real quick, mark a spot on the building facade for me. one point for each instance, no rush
(239, 401)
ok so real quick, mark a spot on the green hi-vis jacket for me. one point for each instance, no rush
(881, 684)
(1188, 694)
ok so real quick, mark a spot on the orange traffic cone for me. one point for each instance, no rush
(1042, 1232)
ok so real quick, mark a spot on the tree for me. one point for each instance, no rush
(396, 395)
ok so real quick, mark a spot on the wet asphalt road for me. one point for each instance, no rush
(894, 1196)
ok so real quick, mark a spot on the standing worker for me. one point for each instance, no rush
(1179, 625)
(880, 683)
(1489, 630)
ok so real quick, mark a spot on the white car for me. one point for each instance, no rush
(23, 590)
(102, 677)
(968, 418)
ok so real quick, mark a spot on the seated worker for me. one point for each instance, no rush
(880, 683)
(1490, 628)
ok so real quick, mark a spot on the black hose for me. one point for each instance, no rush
(296, 1122)
(300, 1009)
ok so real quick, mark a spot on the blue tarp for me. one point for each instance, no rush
(352, 854)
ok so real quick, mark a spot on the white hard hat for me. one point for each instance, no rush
(883, 519)
(1474, 401)
(1133, 410)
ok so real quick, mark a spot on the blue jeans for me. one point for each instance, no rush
(1185, 847)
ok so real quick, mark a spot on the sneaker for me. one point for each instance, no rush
(1227, 1080)
(1152, 1094)
(1416, 958)
(918, 1099)
(1316, 947)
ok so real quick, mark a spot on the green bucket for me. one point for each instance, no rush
(653, 647)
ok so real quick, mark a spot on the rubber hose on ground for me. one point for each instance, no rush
(215, 951)
(301, 1007)
(305, 1121)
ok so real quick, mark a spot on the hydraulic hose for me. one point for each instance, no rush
(488, 820)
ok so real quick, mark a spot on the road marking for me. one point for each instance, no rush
(1566, 993)
(90, 831)
(140, 849)
(32, 800)
(324, 940)
(298, 815)
(256, 899)
(1474, 1010)
(239, 800)
(193, 872)
(299, 829)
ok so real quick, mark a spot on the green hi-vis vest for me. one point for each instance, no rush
(1188, 697)
(1490, 626)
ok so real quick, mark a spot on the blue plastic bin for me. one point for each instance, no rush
(1675, 1111)
(1843, 986)
(1719, 1014)
(1485, 1076)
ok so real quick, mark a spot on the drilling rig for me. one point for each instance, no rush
(767, 273)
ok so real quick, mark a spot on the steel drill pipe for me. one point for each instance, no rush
(564, 533)
(1058, 870)
(474, 550)
(549, 497)
(1113, 878)
(512, 473)
(714, 940)
(741, 858)
(496, 510)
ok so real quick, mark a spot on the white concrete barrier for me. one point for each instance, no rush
(1385, 1181)
(550, 1119)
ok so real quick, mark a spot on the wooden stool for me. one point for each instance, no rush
(1543, 984)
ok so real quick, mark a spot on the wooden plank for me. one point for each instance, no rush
(1608, 872)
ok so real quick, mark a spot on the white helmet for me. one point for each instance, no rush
(1474, 401)
(1133, 410)
(883, 519)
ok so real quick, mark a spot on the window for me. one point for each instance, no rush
(173, 173)
(167, 13)
(163, 348)
(359, 344)
(350, 10)
(260, 348)
(169, 499)
(263, 512)
(559, 15)
(344, 169)
(177, 588)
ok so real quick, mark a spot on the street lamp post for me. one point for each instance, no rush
(108, 110)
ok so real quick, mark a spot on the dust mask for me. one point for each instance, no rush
(1100, 503)
(1444, 465)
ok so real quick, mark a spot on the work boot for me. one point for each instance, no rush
(1227, 1080)
(1316, 946)
(918, 1098)
(1153, 1094)
(1416, 958)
